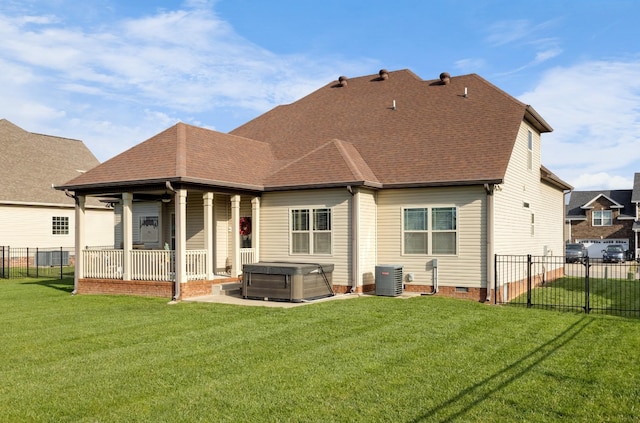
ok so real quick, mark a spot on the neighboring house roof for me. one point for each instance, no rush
(387, 130)
(635, 196)
(580, 201)
(34, 163)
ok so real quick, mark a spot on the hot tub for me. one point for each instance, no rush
(283, 281)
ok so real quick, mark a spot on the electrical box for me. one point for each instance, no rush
(389, 280)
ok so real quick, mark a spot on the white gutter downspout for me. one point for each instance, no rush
(489, 188)
(355, 224)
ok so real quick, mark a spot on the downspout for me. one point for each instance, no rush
(355, 267)
(489, 188)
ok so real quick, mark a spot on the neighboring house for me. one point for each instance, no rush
(379, 169)
(599, 218)
(33, 213)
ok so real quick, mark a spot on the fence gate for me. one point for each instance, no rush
(550, 282)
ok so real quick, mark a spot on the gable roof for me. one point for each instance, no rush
(387, 130)
(580, 201)
(335, 160)
(34, 163)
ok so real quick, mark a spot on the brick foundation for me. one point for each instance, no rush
(162, 289)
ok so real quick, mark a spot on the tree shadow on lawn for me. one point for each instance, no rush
(456, 407)
(64, 285)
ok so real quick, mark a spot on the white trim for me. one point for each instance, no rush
(615, 206)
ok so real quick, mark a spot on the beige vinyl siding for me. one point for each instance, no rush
(467, 268)
(100, 223)
(30, 226)
(513, 219)
(274, 228)
(549, 226)
(195, 221)
(367, 231)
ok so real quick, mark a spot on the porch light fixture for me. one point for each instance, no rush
(166, 198)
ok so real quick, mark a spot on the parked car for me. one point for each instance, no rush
(575, 253)
(614, 253)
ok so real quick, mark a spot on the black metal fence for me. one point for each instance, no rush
(36, 262)
(591, 285)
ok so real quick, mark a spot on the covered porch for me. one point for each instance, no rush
(174, 241)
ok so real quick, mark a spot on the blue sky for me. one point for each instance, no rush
(116, 72)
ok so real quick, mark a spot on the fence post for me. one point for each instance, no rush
(528, 280)
(60, 262)
(27, 261)
(495, 279)
(587, 306)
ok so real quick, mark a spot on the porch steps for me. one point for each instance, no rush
(231, 288)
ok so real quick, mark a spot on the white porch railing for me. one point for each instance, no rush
(148, 265)
(247, 256)
(103, 264)
(152, 265)
(196, 264)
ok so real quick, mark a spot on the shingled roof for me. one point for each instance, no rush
(184, 153)
(407, 130)
(34, 163)
(580, 200)
(391, 129)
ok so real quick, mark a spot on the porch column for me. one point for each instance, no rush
(79, 241)
(127, 234)
(208, 232)
(255, 230)
(235, 236)
(181, 240)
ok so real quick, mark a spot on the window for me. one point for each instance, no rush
(530, 151)
(311, 231)
(533, 224)
(602, 218)
(444, 230)
(60, 225)
(416, 230)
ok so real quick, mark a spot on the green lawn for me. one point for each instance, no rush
(611, 296)
(111, 359)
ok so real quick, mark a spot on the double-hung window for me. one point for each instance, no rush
(416, 235)
(444, 230)
(429, 230)
(602, 218)
(311, 231)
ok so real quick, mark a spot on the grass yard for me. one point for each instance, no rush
(619, 297)
(124, 359)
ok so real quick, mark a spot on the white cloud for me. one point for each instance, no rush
(594, 108)
(111, 84)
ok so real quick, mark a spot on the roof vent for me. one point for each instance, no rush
(445, 78)
(384, 74)
(343, 81)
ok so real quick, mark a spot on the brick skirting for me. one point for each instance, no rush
(162, 289)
